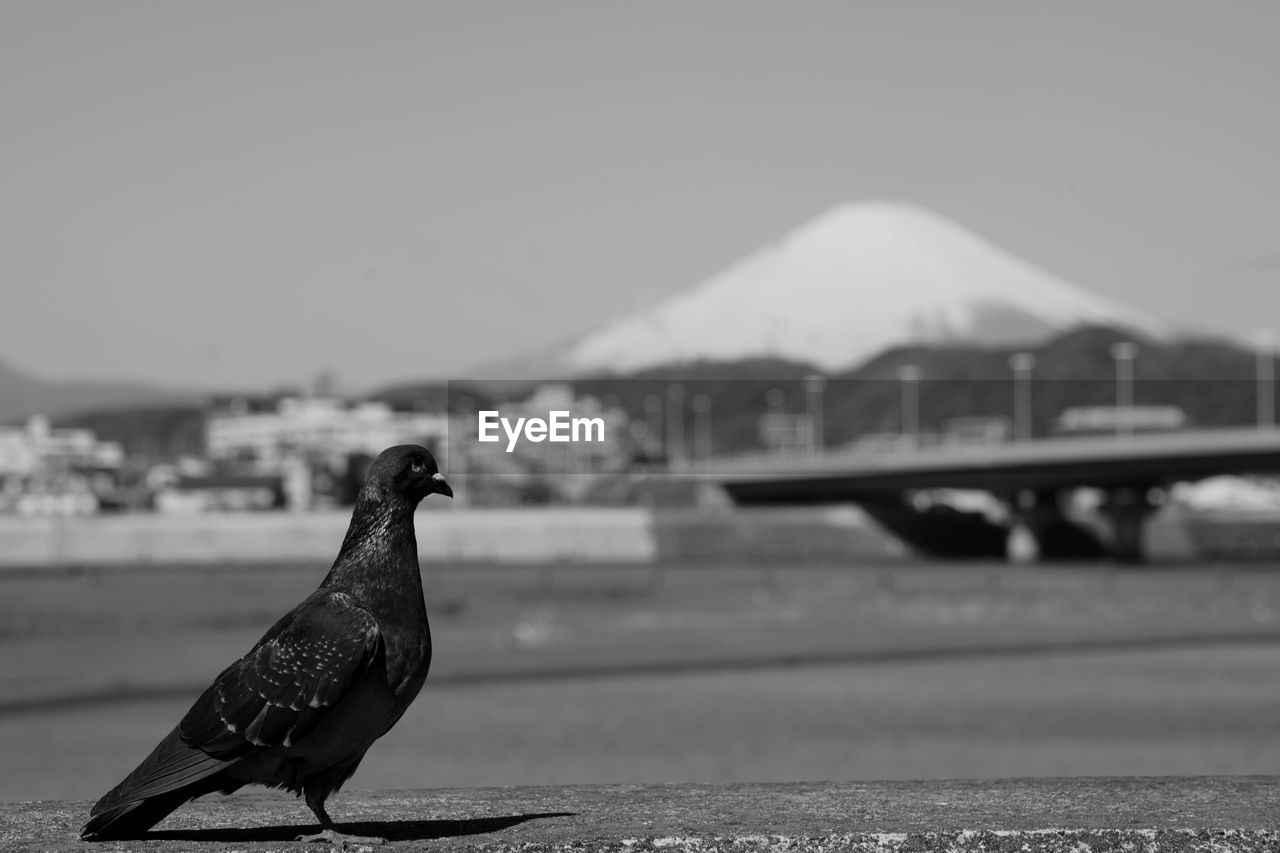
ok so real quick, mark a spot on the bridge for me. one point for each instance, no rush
(1029, 478)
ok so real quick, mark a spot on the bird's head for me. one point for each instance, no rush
(407, 472)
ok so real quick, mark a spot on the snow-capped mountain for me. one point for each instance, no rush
(838, 290)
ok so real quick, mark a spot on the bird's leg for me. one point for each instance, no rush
(328, 833)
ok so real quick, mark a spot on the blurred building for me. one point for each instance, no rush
(976, 430)
(786, 432)
(48, 471)
(188, 494)
(315, 428)
(543, 471)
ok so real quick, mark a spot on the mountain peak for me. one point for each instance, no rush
(858, 215)
(859, 278)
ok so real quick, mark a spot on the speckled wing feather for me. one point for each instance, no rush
(282, 688)
(272, 696)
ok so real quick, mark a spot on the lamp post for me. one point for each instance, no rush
(1124, 353)
(814, 386)
(1266, 374)
(1022, 363)
(653, 422)
(675, 423)
(909, 376)
(772, 428)
(701, 405)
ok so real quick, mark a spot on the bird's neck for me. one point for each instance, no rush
(378, 562)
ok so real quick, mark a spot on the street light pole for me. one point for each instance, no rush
(773, 430)
(909, 375)
(813, 386)
(1022, 363)
(653, 424)
(701, 426)
(675, 423)
(1266, 379)
(1124, 353)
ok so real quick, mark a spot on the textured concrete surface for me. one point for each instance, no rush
(525, 535)
(498, 535)
(1093, 815)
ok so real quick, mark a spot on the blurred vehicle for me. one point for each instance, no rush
(1088, 420)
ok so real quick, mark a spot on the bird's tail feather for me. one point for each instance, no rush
(134, 818)
(171, 775)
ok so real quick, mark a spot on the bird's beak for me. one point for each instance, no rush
(442, 487)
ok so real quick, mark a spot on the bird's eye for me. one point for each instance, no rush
(417, 464)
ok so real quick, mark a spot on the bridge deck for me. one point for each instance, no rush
(1138, 460)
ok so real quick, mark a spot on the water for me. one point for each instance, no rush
(565, 675)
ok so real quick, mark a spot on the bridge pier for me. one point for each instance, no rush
(937, 530)
(1126, 511)
(1039, 528)
(1033, 515)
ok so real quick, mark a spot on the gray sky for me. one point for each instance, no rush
(245, 193)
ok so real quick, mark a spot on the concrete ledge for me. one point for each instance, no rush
(609, 535)
(552, 534)
(1096, 815)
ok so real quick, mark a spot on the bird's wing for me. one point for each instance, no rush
(286, 684)
(272, 696)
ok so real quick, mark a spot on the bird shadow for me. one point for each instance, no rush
(391, 830)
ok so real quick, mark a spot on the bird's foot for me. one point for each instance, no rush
(340, 841)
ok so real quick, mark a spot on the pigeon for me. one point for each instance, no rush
(300, 710)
